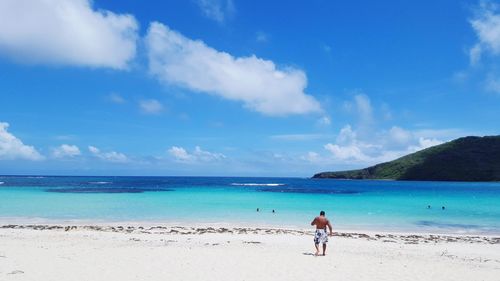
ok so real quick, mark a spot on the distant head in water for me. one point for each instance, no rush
(322, 213)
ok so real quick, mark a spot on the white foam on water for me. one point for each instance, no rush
(1, 182)
(258, 184)
(99, 182)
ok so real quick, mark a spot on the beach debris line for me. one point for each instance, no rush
(181, 230)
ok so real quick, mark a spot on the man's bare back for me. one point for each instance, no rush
(321, 236)
(322, 222)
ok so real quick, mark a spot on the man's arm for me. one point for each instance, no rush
(314, 221)
(330, 228)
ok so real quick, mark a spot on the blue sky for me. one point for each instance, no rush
(245, 88)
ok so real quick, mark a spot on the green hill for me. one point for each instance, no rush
(463, 159)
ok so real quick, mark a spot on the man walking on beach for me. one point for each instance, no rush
(321, 236)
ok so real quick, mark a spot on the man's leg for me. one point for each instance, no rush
(317, 249)
(324, 248)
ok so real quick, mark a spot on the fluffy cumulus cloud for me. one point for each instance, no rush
(180, 153)
(111, 156)
(151, 106)
(218, 10)
(66, 150)
(68, 32)
(424, 143)
(385, 146)
(346, 152)
(486, 24)
(347, 146)
(197, 155)
(370, 141)
(13, 148)
(258, 83)
(400, 135)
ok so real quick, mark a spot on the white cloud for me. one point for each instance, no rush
(400, 135)
(346, 135)
(66, 32)
(151, 106)
(475, 54)
(218, 10)
(13, 148)
(111, 156)
(364, 108)
(492, 84)
(382, 147)
(116, 98)
(346, 152)
(94, 150)
(312, 157)
(324, 121)
(424, 143)
(258, 83)
(198, 155)
(486, 24)
(347, 146)
(66, 150)
(180, 153)
(207, 156)
(360, 107)
(368, 144)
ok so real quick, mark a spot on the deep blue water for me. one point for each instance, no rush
(371, 205)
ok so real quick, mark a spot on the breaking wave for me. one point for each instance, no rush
(258, 184)
(106, 190)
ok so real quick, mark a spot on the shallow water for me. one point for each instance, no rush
(367, 205)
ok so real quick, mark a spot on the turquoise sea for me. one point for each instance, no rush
(351, 205)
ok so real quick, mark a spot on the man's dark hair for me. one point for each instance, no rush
(322, 213)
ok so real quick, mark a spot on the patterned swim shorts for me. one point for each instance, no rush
(321, 236)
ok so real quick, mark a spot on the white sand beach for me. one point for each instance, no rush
(47, 253)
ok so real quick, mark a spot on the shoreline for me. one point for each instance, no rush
(249, 224)
(173, 228)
